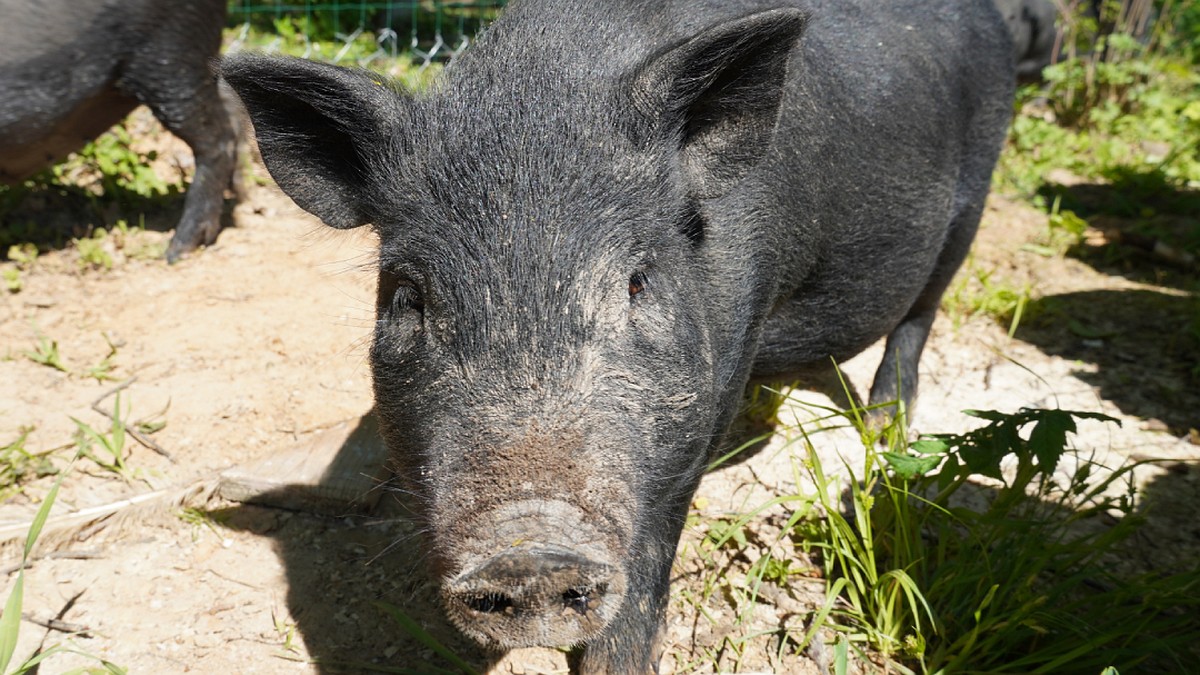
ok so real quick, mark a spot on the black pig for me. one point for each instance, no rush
(69, 70)
(605, 221)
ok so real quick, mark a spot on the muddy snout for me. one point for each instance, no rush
(544, 586)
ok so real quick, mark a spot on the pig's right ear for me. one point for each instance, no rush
(320, 129)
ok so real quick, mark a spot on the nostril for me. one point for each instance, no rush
(580, 598)
(489, 603)
(576, 599)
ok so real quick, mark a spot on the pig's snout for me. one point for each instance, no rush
(536, 595)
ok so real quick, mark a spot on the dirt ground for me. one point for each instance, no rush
(258, 345)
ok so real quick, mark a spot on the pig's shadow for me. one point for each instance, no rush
(343, 570)
(49, 215)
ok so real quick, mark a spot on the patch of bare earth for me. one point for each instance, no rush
(257, 346)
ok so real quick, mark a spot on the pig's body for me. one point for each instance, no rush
(69, 70)
(588, 251)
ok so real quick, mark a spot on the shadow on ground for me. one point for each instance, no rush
(341, 566)
(1144, 346)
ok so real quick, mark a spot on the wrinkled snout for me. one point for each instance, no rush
(534, 581)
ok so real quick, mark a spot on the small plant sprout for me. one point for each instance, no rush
(12, 279)
(46, 354)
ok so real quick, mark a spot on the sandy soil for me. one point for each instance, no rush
(258, 344)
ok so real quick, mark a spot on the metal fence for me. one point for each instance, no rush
(361, 32)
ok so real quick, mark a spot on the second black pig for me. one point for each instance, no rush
(70, 70)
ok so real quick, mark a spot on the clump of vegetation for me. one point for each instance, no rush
(1023, 584)
(71, 197)
(1121, 110)
(22, 257)
(105, 248)
(987, 551)
(46, 354)
(112, 167)
(18, 465)
(106, 449)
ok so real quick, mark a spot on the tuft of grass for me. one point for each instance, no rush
(106, 450)
(19, 466)
(103, 370)
(12, 279)
(93, 252)
(1064, 230)
(286, 630)
(200, 518)
(22, 256)
(115, 169)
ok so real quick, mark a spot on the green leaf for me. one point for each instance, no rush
(929, 445)
(909, 467)
(39, 519)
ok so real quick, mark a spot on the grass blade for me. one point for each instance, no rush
(415, 630)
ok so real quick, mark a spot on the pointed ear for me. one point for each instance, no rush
(719, 95)
(322, 130)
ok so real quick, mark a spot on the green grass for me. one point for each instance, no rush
(985, 551)
(107, 449)
(1023, 585)
(981, 292)
(10, 620)
(45, 353)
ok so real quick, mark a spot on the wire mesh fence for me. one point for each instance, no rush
(363, 33)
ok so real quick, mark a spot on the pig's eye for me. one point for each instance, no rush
(406, 299)
(637, 284)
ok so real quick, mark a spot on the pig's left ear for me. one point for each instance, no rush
(321, 130)
(718, 95)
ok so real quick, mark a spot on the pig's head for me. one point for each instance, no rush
(558, 347)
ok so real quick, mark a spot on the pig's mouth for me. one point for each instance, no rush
(541, 578)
